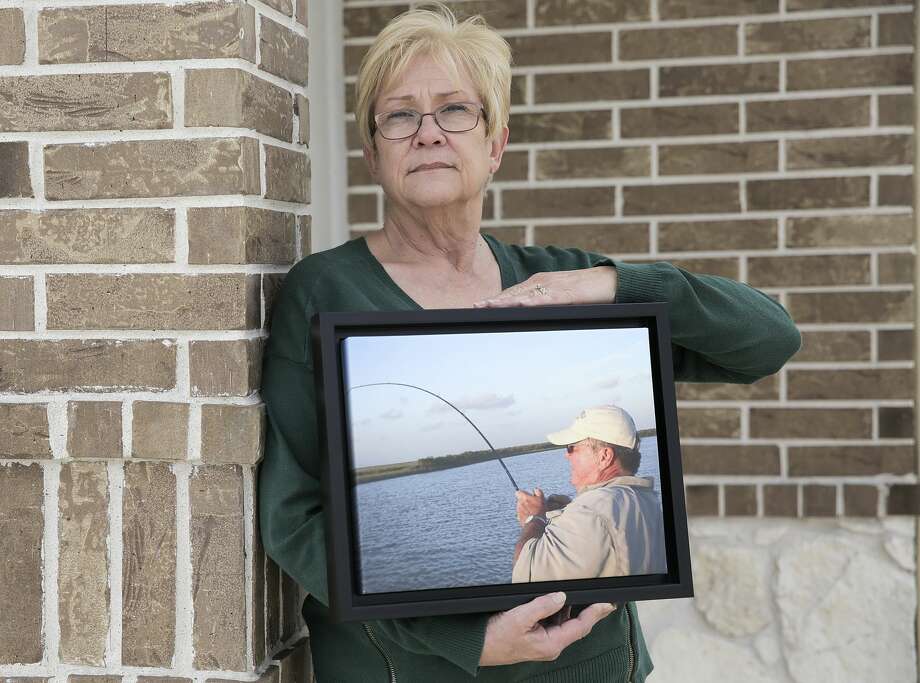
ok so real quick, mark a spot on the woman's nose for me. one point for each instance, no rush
(429, 131)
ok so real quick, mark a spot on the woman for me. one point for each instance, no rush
(432, 107)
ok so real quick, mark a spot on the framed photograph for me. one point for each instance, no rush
(479, 458)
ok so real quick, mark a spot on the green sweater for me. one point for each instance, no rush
(722, 331)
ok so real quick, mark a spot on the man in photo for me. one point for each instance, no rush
(613, 526)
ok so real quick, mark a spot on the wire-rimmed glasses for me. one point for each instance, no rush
(453, 117)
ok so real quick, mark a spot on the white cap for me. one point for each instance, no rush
(607, 423)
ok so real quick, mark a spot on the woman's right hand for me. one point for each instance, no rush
(517, 636)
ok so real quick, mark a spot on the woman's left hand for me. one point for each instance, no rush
(596, 285)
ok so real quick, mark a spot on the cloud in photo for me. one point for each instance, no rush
(487, 401)
(392, 414)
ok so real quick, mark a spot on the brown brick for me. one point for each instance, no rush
(895, 29)
(895, 344)
(287, 175)
(272, 603)
(730, 459)
(606, 238)
(301, 13)
(284, 6)
(148, 614)
(819, 500)
(811, 423)
(765, 389)
(283, 52)
(804, 271)
(860, 500)
(729, 157)
(807, 193)
(895, 190)
(834, 345)
(689, 198)
(699, 119)
(903, 499)
(152, 168)
(805, 36)
(718, 423)
(130, 235)
(514, 166)
(304, 229)
(895, 110)
(896, 268)
(90, 678)
(17, 304)
(703, 500)
(159, 430)
(518, 89)
(12, 36)
(163, 679)
(876, 150)
(369, 21)
(689, 9)
(255, 608)
(896, 422)
(845, 307)
(362, 208)
(302, 109)
(95, 365)
(560, 48)
(240, 235)
(724, 267)
(510, 14)
(291, 618)
(547, 202)
(605, 162)
(127, 33)
(218, 567)
(676, 43)
(94, 429)
(85, 102)
(24, 431)
(718, 79)
(14, 170)
(717, 235)
(850, 461)
(561, 126)
(510, 234)
(358, 173)
(21, 532)
(741, 500)
(849, 72)
(236, 98)
(225, 368)
(799, 5)
(569, 12)
(850, 231)
(780, 500)
(83, 562)
(842, 384)
(294, 662)
(591, 86)
(826, 112)
(215, 301)
(232, 433)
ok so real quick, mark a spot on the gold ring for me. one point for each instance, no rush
(542, 290)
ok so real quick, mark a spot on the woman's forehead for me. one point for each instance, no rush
(424, 77)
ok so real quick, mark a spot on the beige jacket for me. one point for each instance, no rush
(613, 528)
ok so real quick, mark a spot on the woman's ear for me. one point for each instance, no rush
(370, 158)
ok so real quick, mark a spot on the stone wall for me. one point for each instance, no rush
(154, 189)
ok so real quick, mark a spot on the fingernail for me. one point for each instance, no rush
(559, 598)
(609, 607)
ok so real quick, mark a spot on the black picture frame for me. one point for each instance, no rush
(347, 601)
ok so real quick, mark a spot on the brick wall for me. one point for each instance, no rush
(154, 188)
(768, 141)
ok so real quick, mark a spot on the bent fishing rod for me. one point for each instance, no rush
(401, 384)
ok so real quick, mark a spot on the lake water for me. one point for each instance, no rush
(457, 527)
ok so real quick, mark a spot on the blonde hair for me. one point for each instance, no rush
(471, 46)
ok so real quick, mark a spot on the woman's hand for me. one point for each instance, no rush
(596, 285)
(516, 636)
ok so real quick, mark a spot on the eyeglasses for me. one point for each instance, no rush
(570, 448)
(455, 117)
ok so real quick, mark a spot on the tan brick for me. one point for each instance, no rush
(845, 383)
(369, 21)
(12, 36)
(803, 271)
(236, 98)
(591, 86)
(94, 365)
(800, 5)
(94, 429)
(718, 423)
(218, 567)
(301, 12)
(606, 162)
(740, 500)
(689, 198)
(127, 33)
(271, 284)
(849, 72)
(362, 208)
(255, 608)
(895, 190)
(730, 459)
(216, 301)
(547, 202)
(826, 112)
(896, 268)
(148, 578)
(860, 500)
(14, 170)
(77, 678)
(846, 307)
(718, 79)
(780, 500)
(305, 229)
(699, 119)
(819, 501)
(130, 235)
(895, 29)
(232, 433)
(240, 235)
(287, 175)
(163, 679)
(21, 532)
(689, 9)
(895, 110)
(24, 431)
(514, 167)
(717, 235)
(225, 368)
(675, 43)
(510, 234)
(561, 48)
(896, 423)
(850, 231)
(702, 500)
(568, 12)
(875, 150)
(562, 126)
(807, 193)
(850, 461)
(83, 562)
(606, 238)
(729, 157)
(834, 345)
(765, 389)
(811, 423)
(152, 168)
(159, 430)
(17, 304)
(283, 6)
(284, 53)
(805, 36)
(895, 344)
(302, 109)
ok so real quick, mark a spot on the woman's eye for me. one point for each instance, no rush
(400, 114)
(456, 107)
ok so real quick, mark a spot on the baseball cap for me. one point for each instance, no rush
(607, 423)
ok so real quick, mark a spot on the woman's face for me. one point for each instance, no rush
(470, 155)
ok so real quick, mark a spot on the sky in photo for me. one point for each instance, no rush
(515, 386)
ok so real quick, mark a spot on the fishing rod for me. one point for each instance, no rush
(401, 384)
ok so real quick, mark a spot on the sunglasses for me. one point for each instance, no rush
(570, 448)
